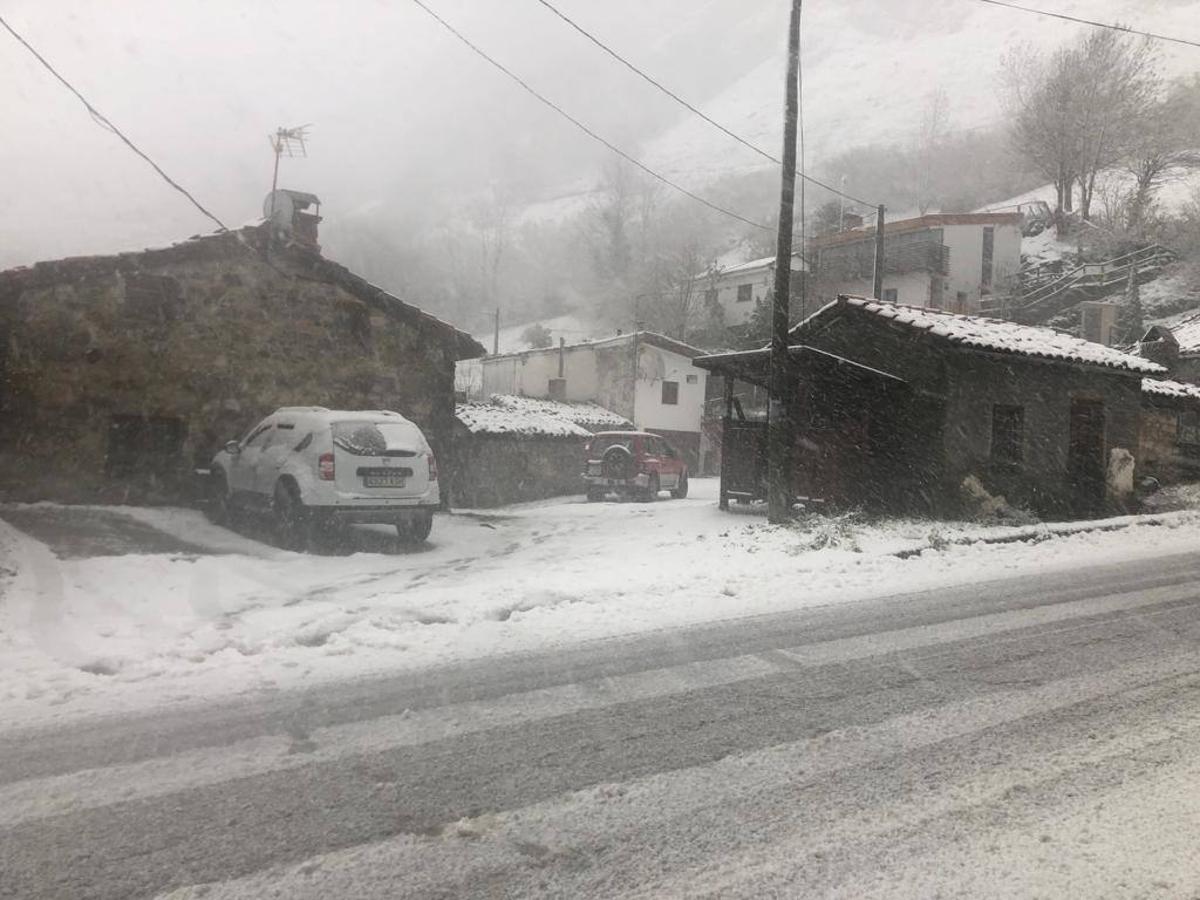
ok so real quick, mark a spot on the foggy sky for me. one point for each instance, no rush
(404, 118)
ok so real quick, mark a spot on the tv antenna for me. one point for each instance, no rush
(286, 142)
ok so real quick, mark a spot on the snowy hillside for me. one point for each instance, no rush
(870, 68)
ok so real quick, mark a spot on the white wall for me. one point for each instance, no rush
(912, 288)
(600, 373)
(529, 374)
(655, 366)
(966, 261)
(762, 280)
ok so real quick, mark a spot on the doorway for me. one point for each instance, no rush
(1085, 455)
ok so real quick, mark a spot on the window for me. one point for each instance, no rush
(257, 433)
(1189, 428)
(1008, 435)
(670, 393)
(890, 295)
(378, 438)
(989, 249)
(693, 379)
(745, 293)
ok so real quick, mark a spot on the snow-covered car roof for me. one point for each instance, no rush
(995, 335)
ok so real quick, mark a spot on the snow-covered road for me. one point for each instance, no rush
(105, 619)
(1034, 736)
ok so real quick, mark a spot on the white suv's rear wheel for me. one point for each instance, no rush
(291, 519)
(416, 529)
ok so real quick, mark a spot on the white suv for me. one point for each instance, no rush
(314, 468)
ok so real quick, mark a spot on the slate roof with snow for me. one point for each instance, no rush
(1174, 390)
(1187, 335)
(530, 416)
(996, 335)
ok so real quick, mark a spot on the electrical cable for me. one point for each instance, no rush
(104, 122)
(660, 86)
(581, 126)
(1094, 24)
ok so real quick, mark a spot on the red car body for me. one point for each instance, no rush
(633, 463)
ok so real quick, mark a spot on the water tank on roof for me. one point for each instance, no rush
(288, 213)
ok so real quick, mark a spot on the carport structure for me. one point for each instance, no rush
(860, 431)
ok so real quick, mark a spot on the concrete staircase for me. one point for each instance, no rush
(1046, 292)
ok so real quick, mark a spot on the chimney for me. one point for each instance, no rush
(290, 219)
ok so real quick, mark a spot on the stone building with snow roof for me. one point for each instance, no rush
(1177, 347)
(1169, 440)
(897, 407)
(512, 449)
(120, 375)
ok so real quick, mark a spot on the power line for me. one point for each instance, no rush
(580, 125)
(585, 129)
(1065, 17)
(105, 123)
(650, 80)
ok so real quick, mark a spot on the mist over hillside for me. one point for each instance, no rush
(442, 180)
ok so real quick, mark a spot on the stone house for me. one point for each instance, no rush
(1169, 442)
(514, 449)
(897, 407)
(1176, 347)
(644, 377)
(120, 375)
(951, 262)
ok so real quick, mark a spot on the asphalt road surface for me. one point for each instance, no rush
(1031, 737)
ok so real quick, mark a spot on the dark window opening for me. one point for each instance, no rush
(1189, 428)
(1008, 435)
(745, 293)
(670, 393)
(143, 445)
(890, 295)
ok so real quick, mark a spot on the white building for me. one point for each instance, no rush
(946, 262)
(646, 377)
(739, 288)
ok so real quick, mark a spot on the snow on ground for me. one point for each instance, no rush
(106, 633)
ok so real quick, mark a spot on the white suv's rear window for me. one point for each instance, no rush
(377, 438)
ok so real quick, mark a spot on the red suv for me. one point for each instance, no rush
(633, 463)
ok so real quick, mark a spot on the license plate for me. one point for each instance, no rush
(384, 481)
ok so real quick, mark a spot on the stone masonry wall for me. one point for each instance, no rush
(212, 344)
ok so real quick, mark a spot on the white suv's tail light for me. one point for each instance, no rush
(432, 467)
(325, 469)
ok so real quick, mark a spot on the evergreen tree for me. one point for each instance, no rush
(1130, 326)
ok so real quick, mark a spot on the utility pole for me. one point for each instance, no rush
(496, 334)
(878, 286)
(779, 422)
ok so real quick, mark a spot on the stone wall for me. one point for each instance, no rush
(1045, 391)
(497, 469)
(188, 350)
(1160, 455)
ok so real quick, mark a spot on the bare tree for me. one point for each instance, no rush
(1077, 112)
(1040, 93)
(1163, 147)
(1117, 86)
(935, 120)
